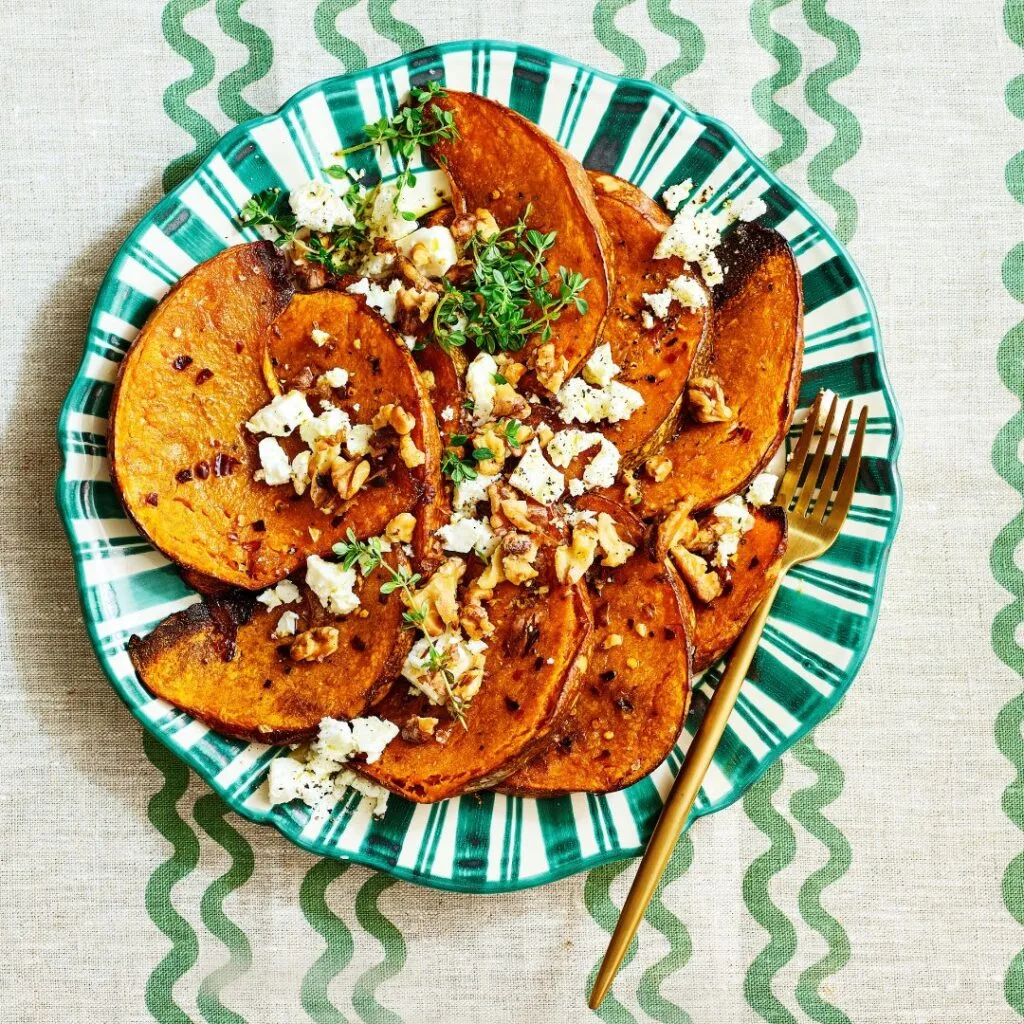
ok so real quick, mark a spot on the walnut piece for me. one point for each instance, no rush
(315, 644)
(616, 550)
(571, 562)
(409, 453)
(518, 553)
(436, 600)
(707, 400)
(394, 416)
(508, 403)
(550, 367)
(612, 640)
(491, 439)
(475, 621)
(347, 477)
(517, 512)
(705, 585)
(632, 494)
(400, 529)
(658, 468)
(678, 528)
(418, 729)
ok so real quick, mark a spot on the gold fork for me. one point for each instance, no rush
(812, 529)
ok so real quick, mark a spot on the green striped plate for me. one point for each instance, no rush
(824, 617)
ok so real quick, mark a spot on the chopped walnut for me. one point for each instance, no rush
(436, 600)
(491, 439)
(678, 529)
(510, 369)
(518, 553)
(571, 562)
(418, 729)
(475, 621)
(428, 379)
(347, 477)
(483, 586)
(509, 403)
(409, 453)
(612, 640)
(413, 307)
(315, 644)
(704, 584)
(658, 468)
(486, 226)
(551, 368)
(322, 489)
(707, 400)
(400, 529)
(394, 416)
(641, 628)
(616, 550)
(544, 434)
(516, 511)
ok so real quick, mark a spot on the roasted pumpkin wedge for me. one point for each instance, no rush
(221, 662)
(503, 163)
(655, 361)
(380, 371)
(535, 659)
(757, 353)
(754, 571)
(636, 690)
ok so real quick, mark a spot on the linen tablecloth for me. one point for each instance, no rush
(876, 874)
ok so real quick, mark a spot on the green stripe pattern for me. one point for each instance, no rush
(820, 628)
(1005, 459)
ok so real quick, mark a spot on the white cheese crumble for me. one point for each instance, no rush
(468, 493)
(566, 445)
(286, 625)
(438, 246)
(330, 422)
(683, 289)
(576, 488)
(357, 439)
(536, 478)
(447, 414)
(322, 779)
(580, 402)
(282, 416)
(458, 653)
(316, 205)
(604, 466)
(762, 489)
(675, 195)
(319, 337)
(659, 302)
(385, 218)
(464, 535)
(300, 471)
(646, 319)
(384, 300)
(736, 520)
(276, 468)
(285, 592)
(600, 367)
(332, 584)
(336, 377)
(481, 386)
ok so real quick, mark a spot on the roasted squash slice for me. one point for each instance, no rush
(443, 374)
(655, 361)
(534, 663)
(380, 371)
(754, 571)
(757, 353)
(220, 662)
(503, 163)
(635, 694)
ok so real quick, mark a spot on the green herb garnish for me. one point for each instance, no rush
(459, 467)
(510, 297)
(269, 208)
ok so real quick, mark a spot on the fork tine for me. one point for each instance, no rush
(807, 491)
(832, 470)
(848, 483)
(799, 456)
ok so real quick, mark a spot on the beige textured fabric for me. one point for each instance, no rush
(83, 141)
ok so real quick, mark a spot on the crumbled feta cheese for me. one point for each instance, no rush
(300, 471)
(675, 195)
(332, 584)
(600, 368)
(321, 780)
(316, 205)
(336, 377)
(659, 302)
(688, 292)
(384, 300)
(735, 520)
(646, 320)
(585, 404)
(276, 469)
(762, 489)
(319, 337)
(464, 535)
(357, 440)
(757, 207)
(604, 466)
(447, 414)
(330, 422)
(285, 592)
(459, 655)
(437, 250)
(535, 477)
(468, 493)
(576, 488)
(734, 510)
(286, 625)
(385, 218)
(282, 416)
(566, 445)
(575, 516)
(481, 386)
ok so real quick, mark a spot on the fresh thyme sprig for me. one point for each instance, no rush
(368, 555)
(419, 123)
(459, 467)
(510, 432)
(269, 208)
(510, 298)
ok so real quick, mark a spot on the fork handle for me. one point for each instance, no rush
(682, 796)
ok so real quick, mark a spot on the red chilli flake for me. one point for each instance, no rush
(183, 476)
(202, 470)
(181, 362)
(203, 376)
(153, 499)
(224, 465)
